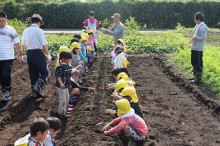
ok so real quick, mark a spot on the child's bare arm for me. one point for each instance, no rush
(60, 82)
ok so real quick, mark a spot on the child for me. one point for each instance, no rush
(63, 74)
(129, 93)
(120, 60)
(133, 127)
(62, 48)
(82, 42)
(38, 133)
(92, 42)
(76, 87)
(75, 50)
(119, 43)
(124, 76)
(115, 73)
(55, 128)
(90, 56)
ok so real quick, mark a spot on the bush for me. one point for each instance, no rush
(17, 25)
(152, 13)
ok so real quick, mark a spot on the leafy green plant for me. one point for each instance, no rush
(17, 25)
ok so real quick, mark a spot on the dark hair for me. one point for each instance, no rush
(115, 71)
(39, 125)
(118, 50)
(119, 42)
(65, 55)
(125, 70)
(54, 123)
(199, 16)
(3, 14)
(35, 20)
(119, 70)
(91, 13)
(74, 40)
(74, 50)
(78, 36)
(120, 90)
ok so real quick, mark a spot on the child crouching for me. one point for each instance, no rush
(133, 127)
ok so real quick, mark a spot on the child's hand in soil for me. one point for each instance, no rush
(91, 89)
(62, 86)
(105, 128)
(105, 132)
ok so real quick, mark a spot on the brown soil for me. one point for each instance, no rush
(176, 112)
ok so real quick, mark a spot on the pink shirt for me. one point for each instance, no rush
(92, 21)
(91, 42)
(134, 120)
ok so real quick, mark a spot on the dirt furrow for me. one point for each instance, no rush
(173, 116)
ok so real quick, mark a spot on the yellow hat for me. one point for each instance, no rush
(123, 107)
(83, 39)
(62, 48)
(89, 48)
(124, 76)
(122, 41)
(74, 45)
(90, 31)
(121, 84)
(85, 35)
(130, 91)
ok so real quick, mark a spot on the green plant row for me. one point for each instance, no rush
(152, 13)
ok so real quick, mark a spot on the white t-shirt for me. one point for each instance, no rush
(33, 37)
(8, 37)
(118, 61)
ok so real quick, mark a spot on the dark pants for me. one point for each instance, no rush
(197, 62)
(5, 74)
(38, 68)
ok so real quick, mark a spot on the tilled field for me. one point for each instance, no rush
(176, 112)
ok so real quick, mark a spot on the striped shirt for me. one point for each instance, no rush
(8, 37)
(33, 37)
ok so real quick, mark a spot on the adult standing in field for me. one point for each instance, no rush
(35, 40)
(198, 42)
(92, 23)
(8, 39)
(117, 29)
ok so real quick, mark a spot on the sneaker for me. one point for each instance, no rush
(70, 105)
(69, 109)
(6, 96)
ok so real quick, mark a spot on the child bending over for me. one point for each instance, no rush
(133, 127)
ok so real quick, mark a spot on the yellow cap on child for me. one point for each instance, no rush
(130, 91)
(121, 84)
(124, 76)
(85, 35)
(89, 48)
(74, 45)
(123, 107)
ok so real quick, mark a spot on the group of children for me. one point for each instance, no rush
(71, 66)
(126, 112)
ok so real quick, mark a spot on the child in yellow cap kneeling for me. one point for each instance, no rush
(133, 126)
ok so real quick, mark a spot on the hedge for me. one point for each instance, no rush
(153, 14)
